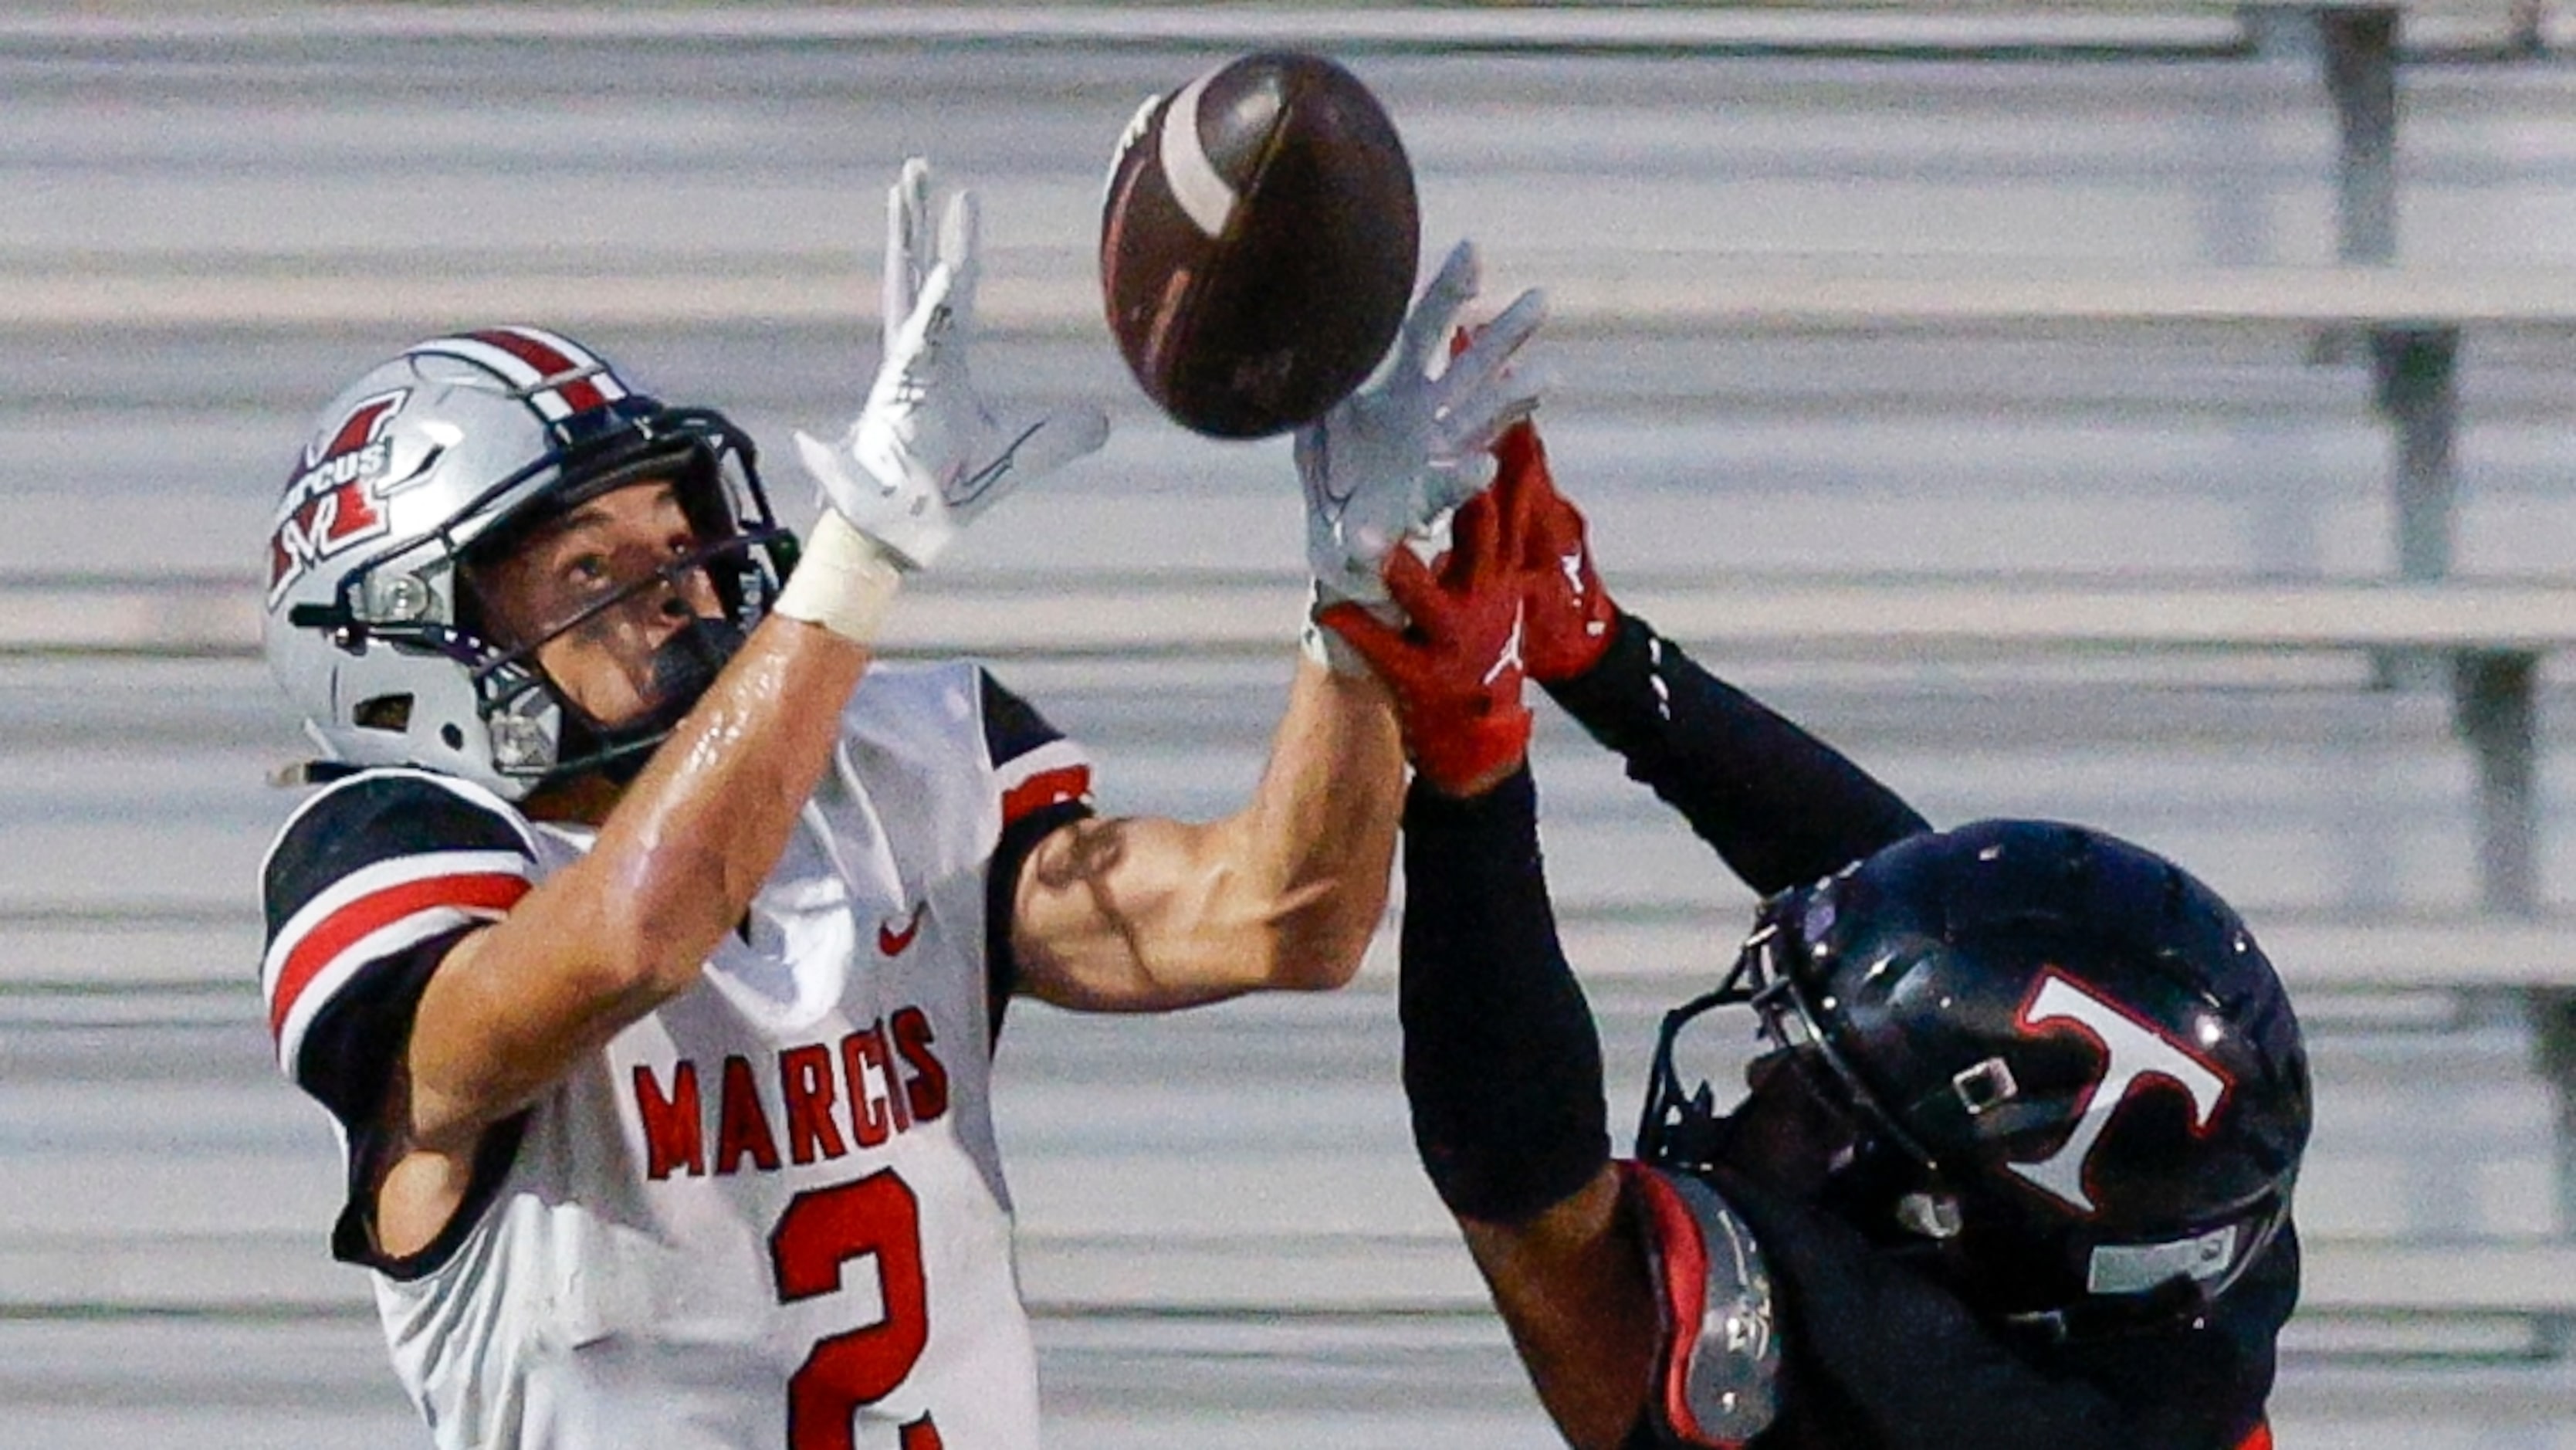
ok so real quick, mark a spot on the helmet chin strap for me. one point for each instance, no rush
(683, 666)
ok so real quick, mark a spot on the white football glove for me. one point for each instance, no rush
(1392, 458)
(928, 454)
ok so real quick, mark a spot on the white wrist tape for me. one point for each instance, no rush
(843, 581)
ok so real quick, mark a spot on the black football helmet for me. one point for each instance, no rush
(2071, 1079)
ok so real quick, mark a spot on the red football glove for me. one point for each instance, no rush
(1571, 618)
(1456, 669)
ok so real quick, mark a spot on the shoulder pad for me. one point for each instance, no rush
(1717, 1369)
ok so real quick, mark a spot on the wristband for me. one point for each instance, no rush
(843, 582)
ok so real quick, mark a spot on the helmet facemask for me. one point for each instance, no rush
(1826, 1137)
(512, 683)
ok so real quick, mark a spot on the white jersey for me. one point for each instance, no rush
(770, 1214)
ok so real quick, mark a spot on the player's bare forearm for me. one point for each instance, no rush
(1320, 830)
(627, 926)
(1147, 914)
(1572, 1288)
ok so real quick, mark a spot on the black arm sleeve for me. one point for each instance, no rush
(1782, 807)
(1501, 1066)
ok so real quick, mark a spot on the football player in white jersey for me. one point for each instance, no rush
(648, 941)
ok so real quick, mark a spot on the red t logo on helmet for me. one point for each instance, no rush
(2135, 1056)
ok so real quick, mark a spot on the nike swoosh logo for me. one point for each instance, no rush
(994, 472)
(892, 939)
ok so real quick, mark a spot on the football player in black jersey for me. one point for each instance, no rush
(2015, 1162)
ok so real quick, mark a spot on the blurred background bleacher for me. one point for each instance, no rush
(2031, 330)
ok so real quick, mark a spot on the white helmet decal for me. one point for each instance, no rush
(2135, 1056)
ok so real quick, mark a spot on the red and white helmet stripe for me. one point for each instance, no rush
(558, 377)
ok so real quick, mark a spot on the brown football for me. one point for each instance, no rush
(1258, 243)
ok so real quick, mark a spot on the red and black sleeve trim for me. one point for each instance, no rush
(362, 878)
(1044, 781)
(371, 818)
(368, 888)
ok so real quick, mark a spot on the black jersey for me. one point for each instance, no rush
(1858, 1351)
(1870, 1354)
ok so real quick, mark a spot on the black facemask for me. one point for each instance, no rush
(683, 667)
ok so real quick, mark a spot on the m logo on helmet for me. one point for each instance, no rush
(331, 502)
(2136, 1058)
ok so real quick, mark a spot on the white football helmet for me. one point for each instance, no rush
(370, 626)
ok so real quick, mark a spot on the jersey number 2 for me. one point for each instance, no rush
(823, 1229)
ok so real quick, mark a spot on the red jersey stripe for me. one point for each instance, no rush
(334, 934)
(1046, 788)
(2261, 1439)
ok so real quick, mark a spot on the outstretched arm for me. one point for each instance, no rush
(682, 852)
(1503, 1072)
(1144, 914)
(1781, 807)
(1606, 1285)
(1501, 1066)
(1141, 914)
(625, 927)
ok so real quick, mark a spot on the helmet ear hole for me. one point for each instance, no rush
(454, 737)
(391, 713)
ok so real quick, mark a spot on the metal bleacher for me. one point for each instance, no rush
(2151, 411)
